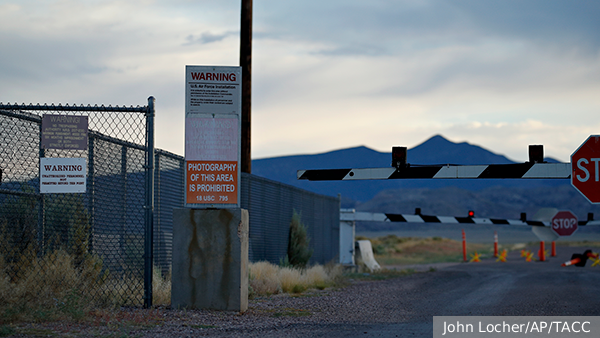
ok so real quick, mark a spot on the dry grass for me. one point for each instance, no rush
(267, 278)
(61, 286)
(48, 287)
(161, 288)
(264, 278)
(290, 278)
(393, 250)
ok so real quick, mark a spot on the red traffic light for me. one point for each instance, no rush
(471, 213)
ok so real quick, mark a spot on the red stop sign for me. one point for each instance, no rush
(585, 173)
(564, 223)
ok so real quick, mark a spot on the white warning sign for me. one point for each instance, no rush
(62, 175)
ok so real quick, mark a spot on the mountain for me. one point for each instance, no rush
(436, 150)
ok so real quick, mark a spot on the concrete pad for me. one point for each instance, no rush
(210, 259)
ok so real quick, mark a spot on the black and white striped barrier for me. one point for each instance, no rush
(536, 168)
(349, 215)
(527, 170)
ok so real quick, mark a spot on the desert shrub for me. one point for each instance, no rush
(266, 278)
(51, 287)
(316, 275)
(299, 251)
(290, 277)
(49, 276)
(263, 278)
(379, 249)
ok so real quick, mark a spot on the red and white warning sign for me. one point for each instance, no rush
(212, 136)
(213, 182)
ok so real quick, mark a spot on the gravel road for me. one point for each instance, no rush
(403, 306)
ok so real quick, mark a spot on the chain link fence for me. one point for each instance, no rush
(100, 241)
(94, 241)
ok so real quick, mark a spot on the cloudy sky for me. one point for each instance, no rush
(327, 74)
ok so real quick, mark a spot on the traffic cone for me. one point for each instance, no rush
(580, 259)
(464, 245)
(495, 244)
(572, 262)
(542, 252)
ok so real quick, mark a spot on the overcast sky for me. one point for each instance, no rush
(327, 74)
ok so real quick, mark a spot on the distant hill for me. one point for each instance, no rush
(436, 150)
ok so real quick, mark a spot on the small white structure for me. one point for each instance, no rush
(347, 231)
(352, 253)
(364, 255)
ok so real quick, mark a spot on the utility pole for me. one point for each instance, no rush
(246, 64)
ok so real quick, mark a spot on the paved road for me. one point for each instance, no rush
(489, 288)
(515, 288)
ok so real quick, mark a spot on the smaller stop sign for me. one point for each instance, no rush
(564, 223)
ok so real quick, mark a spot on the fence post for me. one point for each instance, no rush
(159, 251)
(41, 218)
(91, 189)
(149, 205)
(123, 230)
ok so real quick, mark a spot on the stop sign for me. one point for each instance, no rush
(585, 175)
(564, 223)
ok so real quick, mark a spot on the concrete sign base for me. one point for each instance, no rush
(210, 259)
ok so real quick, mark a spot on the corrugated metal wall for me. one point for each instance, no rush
(270, 205)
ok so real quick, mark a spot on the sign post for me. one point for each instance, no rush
(212, 196)
(564, 223)
(585, 175)
(212, 136)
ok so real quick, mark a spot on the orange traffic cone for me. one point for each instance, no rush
(571, 262)
(581, 259)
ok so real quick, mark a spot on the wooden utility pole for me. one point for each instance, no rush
(246, 64)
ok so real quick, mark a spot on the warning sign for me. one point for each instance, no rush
(212, 136)
(215, 90)
(62, 175)
(64, 132)
(213, 182)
